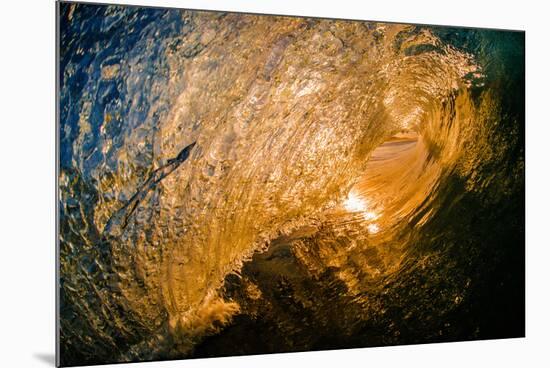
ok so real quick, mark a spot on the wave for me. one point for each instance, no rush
(340, 143)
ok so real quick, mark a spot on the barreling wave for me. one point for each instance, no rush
(347, 155)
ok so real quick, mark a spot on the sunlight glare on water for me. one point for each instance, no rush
(354, 203)
(373, 228)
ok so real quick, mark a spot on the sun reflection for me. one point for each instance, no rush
(373, 228)
(370, 215)
(354, 203)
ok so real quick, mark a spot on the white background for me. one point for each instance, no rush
(27, 204)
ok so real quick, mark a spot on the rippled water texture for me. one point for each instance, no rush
(237, 184)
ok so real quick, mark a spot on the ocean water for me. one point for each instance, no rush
(239, 184)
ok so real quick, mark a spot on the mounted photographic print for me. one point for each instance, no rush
(234, 184)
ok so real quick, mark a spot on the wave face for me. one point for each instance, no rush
(237, 184)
